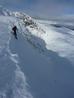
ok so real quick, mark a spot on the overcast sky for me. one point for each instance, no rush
(45, 8)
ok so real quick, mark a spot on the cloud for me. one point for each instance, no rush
(45, 8)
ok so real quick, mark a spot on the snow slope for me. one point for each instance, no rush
(33, 66)
(58, 37)
(12, 80)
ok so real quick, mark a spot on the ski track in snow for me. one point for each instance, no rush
(12, 79)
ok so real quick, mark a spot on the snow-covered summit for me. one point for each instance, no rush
(27, 20)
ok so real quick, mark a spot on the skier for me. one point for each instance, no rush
(14, 29)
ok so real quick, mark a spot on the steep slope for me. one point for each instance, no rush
(31, 67)
(48, 77)
(57, 39)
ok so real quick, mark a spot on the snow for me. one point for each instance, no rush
(60, 40)
(12, 79)
(38, 64)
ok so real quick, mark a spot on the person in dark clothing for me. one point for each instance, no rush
(14, 29)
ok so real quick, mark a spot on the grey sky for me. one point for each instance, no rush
(45, 8)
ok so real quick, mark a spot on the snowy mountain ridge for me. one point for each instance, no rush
(40, 63)
(27, 22)
(37, 28)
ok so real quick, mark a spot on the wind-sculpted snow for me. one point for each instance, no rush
(57, 39)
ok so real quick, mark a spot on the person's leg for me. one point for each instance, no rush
(15, 34)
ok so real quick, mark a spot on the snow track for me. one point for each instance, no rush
(13, 82)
